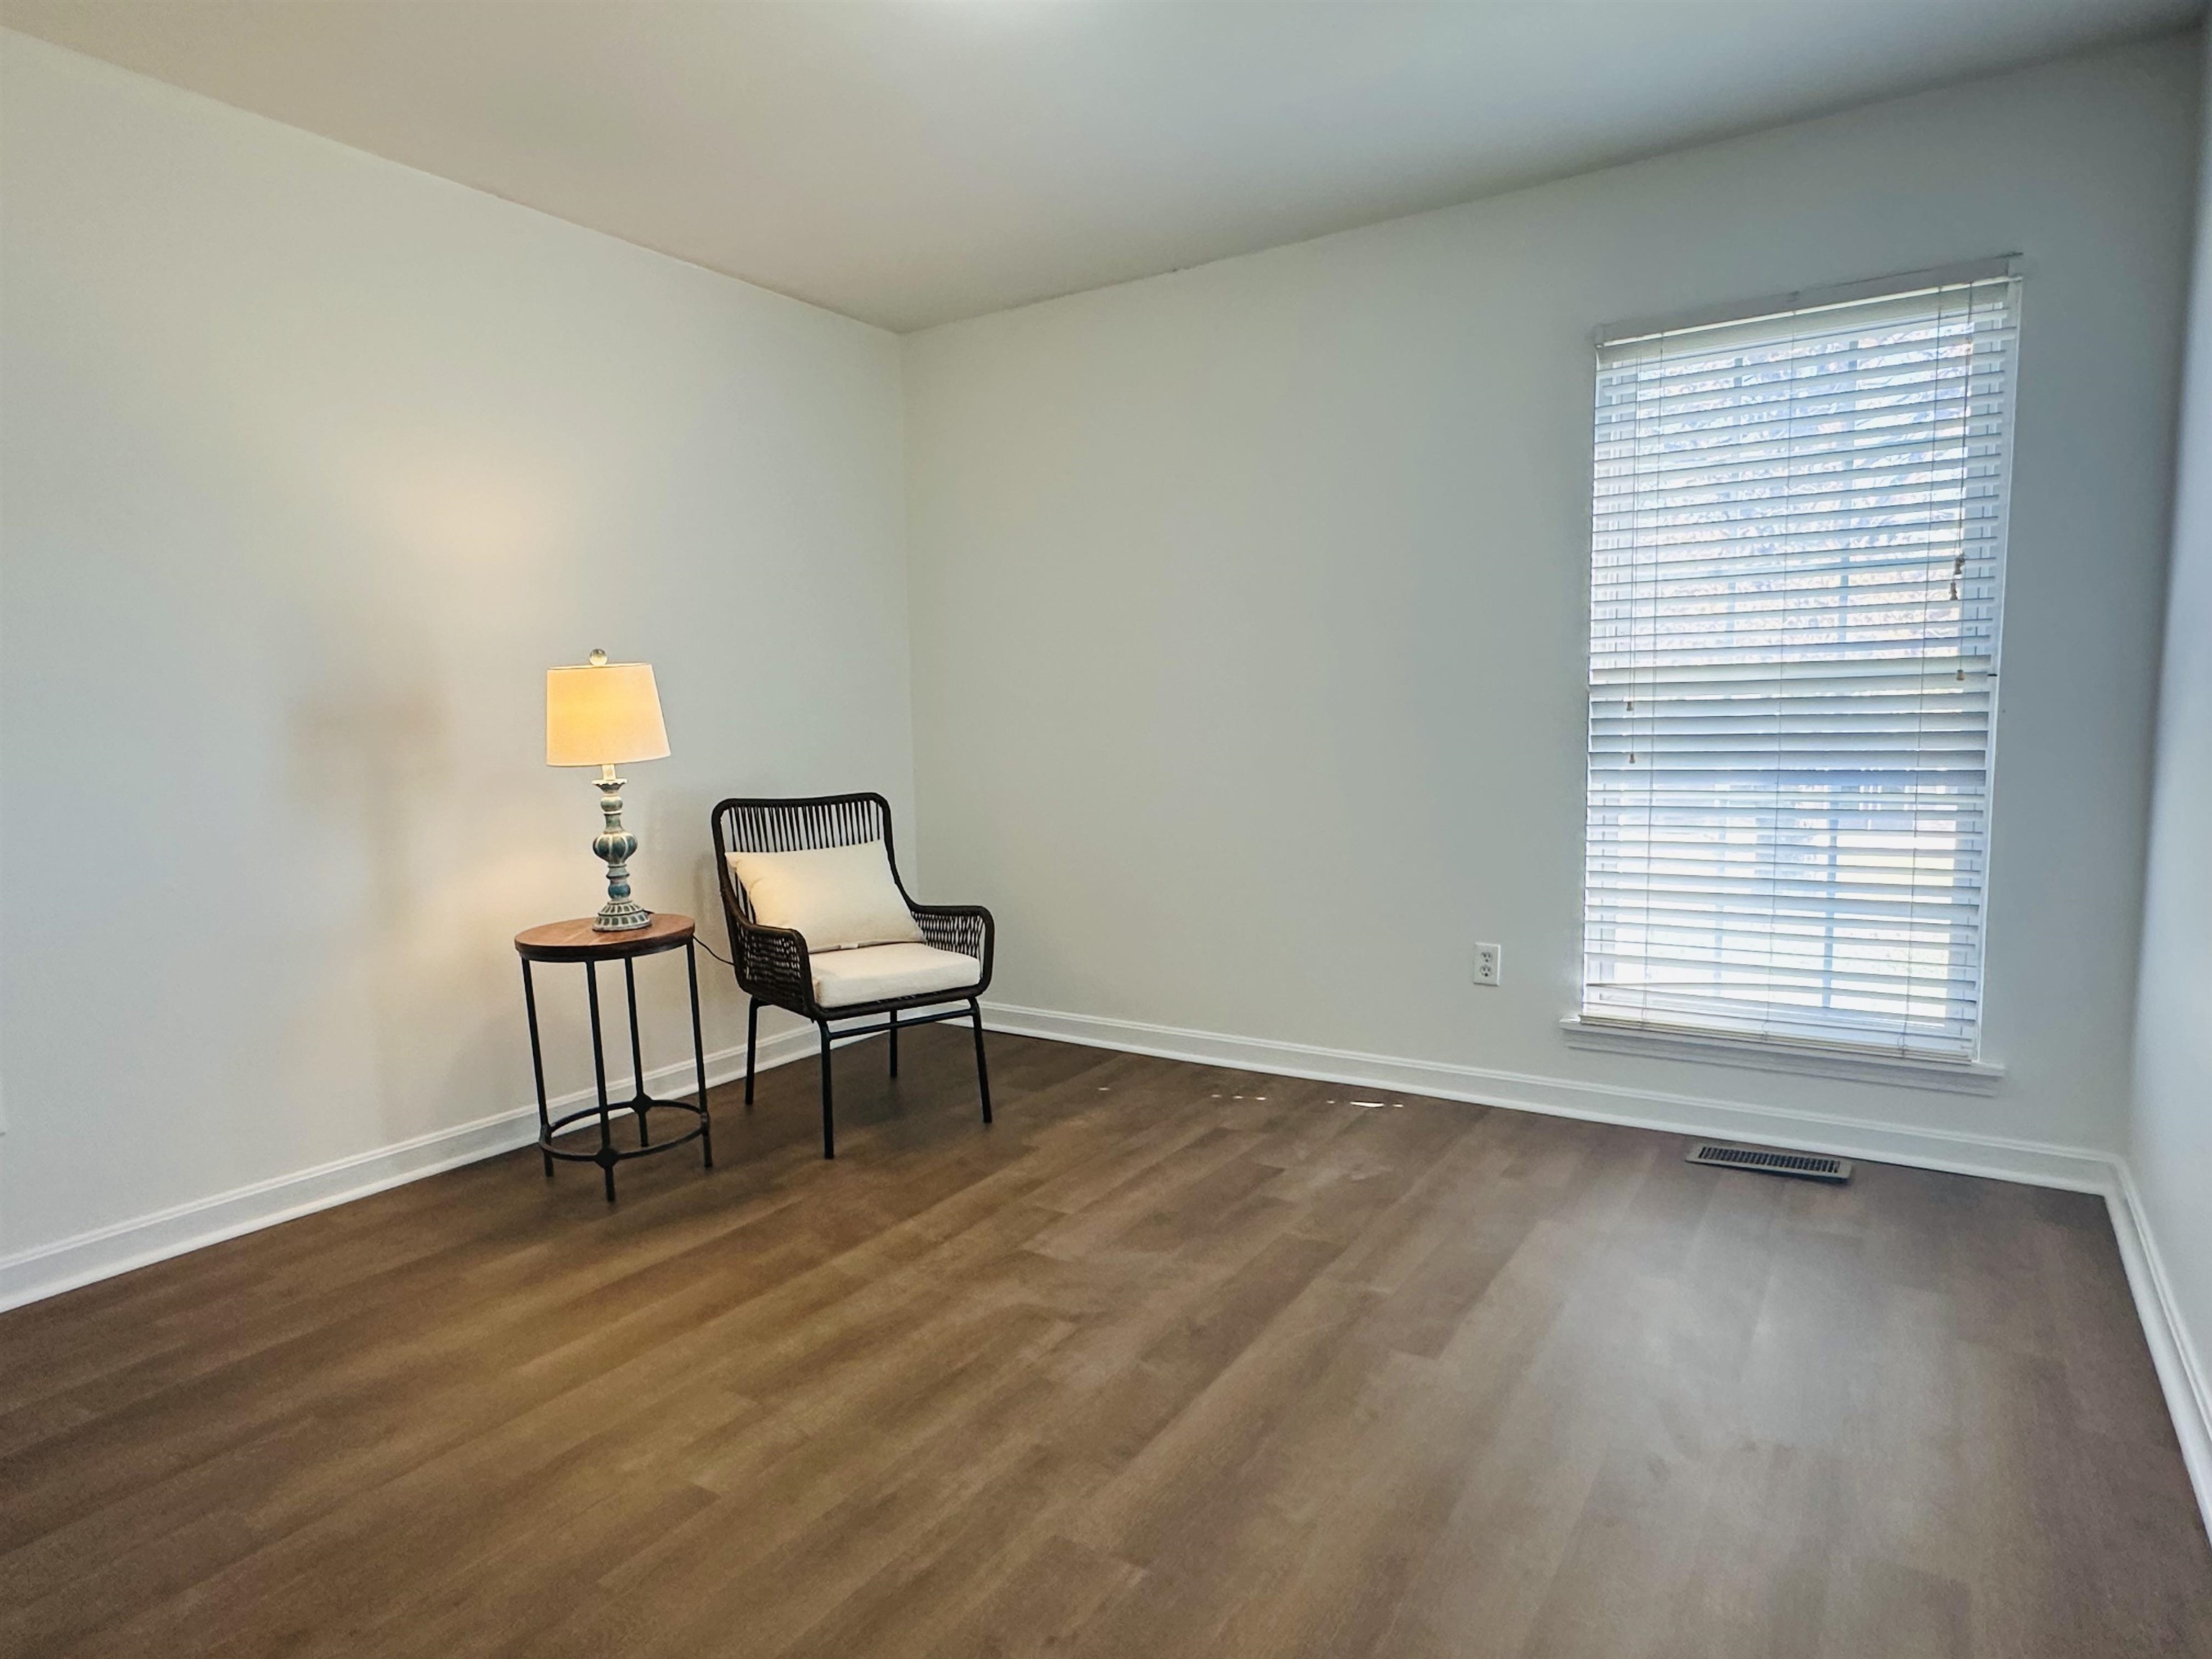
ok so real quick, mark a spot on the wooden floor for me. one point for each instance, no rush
(1172, 1361)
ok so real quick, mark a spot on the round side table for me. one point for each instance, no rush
(578, 941)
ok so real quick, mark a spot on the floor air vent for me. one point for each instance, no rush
(1811, 1166)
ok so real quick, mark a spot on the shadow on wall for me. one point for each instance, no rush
(370, 766)
(366, 764)
(689, 879)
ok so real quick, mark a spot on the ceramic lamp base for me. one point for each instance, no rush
(620, 913)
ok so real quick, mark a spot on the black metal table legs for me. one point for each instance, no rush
(606, 1155)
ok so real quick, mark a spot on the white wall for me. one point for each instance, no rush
(1249, 601)
(311, 465)
(2170, 1150)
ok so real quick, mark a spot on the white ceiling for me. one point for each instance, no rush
(911, 163)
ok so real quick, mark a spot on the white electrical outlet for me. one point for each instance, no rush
(1489, 967)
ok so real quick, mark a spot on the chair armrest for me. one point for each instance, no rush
(771, 964)
(965, 928)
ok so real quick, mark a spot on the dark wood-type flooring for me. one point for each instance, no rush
(1172, 1361)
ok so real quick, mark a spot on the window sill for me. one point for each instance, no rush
(1961, 1077)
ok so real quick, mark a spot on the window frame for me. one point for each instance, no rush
(1972, 1071)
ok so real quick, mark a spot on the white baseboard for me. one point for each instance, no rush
(2180, 1366)
(2180, 1370)
(2037, 1163)
(49, 1269)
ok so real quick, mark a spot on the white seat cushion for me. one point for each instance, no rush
(837, 897)
(877, 973)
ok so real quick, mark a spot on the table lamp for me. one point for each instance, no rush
(602, 713)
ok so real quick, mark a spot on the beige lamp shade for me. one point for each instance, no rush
(602, 713)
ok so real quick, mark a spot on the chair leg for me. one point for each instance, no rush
(829, 1129)
(894, 1042)
(983, 1067)
(752, 1029)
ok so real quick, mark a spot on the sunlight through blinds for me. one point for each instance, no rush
(1797, 563)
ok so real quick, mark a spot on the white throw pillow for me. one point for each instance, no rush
(837, 897)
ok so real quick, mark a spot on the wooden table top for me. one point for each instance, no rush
(579, 941)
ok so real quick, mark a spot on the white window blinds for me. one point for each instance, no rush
(1796, 566)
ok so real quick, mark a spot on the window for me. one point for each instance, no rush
(1797, 563)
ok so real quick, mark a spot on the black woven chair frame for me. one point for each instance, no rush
(771, 963)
